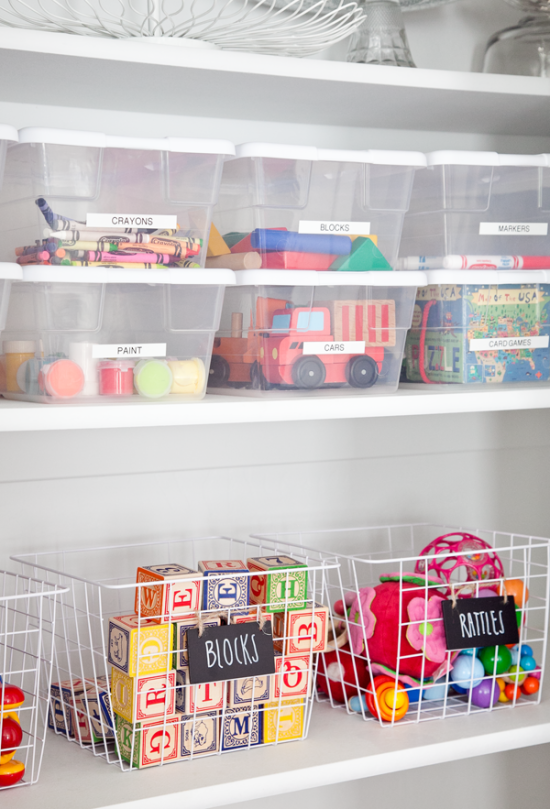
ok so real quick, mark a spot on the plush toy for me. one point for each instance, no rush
(462, 559)
(338, 677)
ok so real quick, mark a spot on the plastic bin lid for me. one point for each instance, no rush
(8, 133)
(310, 278)
(114, 275)
(459, 158)
(492, 277)
(77, 137)
(376, 156)
(10, 272)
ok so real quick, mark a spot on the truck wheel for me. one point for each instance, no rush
(362, 372)
(308, 372)
(219, 371)
(257, 378)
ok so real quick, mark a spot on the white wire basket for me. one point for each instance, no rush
(361, 653)
(27, 617)
(119, 714)
(289, 27)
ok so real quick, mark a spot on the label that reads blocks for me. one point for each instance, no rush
(350, 347)
(128, 350)
(334, 228)
(509, 343)
(131, 220)
(513, 228)
(230, 652)
(474, 622)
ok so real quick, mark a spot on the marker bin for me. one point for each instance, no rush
(192, 720)
(396, 632)
(469, 207)
(324, 333)
(323, 198)
(120, 182)
(104, 334)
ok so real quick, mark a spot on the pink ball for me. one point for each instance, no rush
(482, 693)
(459, 558)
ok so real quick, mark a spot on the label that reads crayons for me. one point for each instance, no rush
(513, 228)
(327, 227)
(509, 343)
(128, 351)
(131, 220)
(350, 347)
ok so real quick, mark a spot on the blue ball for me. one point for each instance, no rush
(437, 691)
(355, 704)
(526, 651)
(515, 655)
(412, 693)
(466, 675)
(469, 652)
(459, 689)
(528, 663)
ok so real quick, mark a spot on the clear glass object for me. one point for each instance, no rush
(523, 49)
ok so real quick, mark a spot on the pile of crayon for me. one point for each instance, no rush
(74, 244)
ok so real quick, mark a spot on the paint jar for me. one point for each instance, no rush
(81, 353)
(188, 376)
(153, 378)
(116, 377)
(61, 378)
(16, 352)
(28, 375)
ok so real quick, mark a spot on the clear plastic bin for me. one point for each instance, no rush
(302, 208)
(8, 134)
(105, 334)
(495, 328)
(102, 194)
(317, 332)
(475, 210)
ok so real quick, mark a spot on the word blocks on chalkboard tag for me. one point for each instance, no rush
(303, 631)
(149, 743)
(292, 676)
(241, 727)
(170, 594)
(283, 587)
(143, 698)
(199, 735)
(283, 722)
(224, 585)
(249, 690)
(199, 698)
(131, 637)
(179, 640)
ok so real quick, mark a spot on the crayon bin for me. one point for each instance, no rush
(147, 183)
(160, 323)
(398, 629)
(319, 333)
(321, 193)
(479, 204)
(493, 329)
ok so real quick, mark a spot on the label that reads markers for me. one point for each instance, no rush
(128, 351)
(230, 652)
(509, 343)
(513, 228)
(131, 220)
(335, 228)
(350, 347)
(474, 622)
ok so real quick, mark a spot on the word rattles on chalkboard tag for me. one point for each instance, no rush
(474, 622)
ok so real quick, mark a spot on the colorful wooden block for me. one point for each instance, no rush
(284, 587)
(225, 585)
(200, 735)
(143, 698)
(292, 676)
(93, 715)
(249, 690)
(199, 698)
(174, 595)
(216, 244)
(302, 631)
(180, 658)
(149, 743)
(131, 637)
(254, 614)
(283, 722)
(61, 713)
(241, 728)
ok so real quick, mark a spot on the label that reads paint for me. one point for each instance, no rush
(230, 652)
(513, 228)
(335, 228)
(128, 351)
(350, 347)
(131, 220)
(509, 343)
(473, 622)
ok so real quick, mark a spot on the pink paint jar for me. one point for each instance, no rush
(116, 377)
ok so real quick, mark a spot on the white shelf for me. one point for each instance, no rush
(363, 750)
(410, 400)
(72, 71)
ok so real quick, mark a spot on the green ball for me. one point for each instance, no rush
(500, 654)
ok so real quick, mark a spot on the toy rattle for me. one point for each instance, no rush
(11, 735)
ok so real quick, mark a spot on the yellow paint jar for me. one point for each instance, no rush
(16, 353)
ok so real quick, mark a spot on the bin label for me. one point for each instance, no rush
(128, 351)
(131, 220)
(350, 347)
(473, 622)
(230, 652)
(327, 227)
(513, 228)
(509, 343)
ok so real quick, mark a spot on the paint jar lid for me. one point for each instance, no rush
(153, 378)
(63, 378)
(19, 346)
(123, 365)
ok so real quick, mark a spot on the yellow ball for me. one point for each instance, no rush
(501, 684)
(395, 700)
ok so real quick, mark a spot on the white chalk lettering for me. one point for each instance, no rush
(237, 651)
(463, 627)
(244, 639)
(253, 641)
(210, 653)
(226, 648)
(501, 622)
(471, 625)
(219, 655)
(493, 622)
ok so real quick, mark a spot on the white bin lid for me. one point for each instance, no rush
(492, 277)
(114, 275)
(380, 157)
(76, 137)
(310, 278)
(10, 272)
(459, 158)
(8, 132)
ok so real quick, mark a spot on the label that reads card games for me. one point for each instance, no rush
(513, 228)
(334, 228)
(131, 220)
(127, 351)
(350, 347)
(230, 652)
(474, 622)
(509, 343)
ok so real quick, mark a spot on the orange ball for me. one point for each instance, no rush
(530, 686)
(512, 690)
(517, 589)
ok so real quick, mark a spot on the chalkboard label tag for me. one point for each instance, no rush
(476, 622)
(230, 652)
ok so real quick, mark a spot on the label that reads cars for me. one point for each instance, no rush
(350, 347)
(128, 351)
(513, 228)
(335, 228)
(509, 343)
(131, 220)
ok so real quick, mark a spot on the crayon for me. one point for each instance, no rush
(34, 258)
(121, 264)
(30, 248)
(134, 258)
(105, 247)
(178, 250)
(46, 211)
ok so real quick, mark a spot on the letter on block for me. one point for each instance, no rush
(199, 698)
(131, 638)
(93, 713)
(61, 716)
(283, 588)
(292, 676)
(143, 699)
(179, 640)
(242, 692)
(173, 592)
(305, 631)
(223, 587)
(285, 722)
(241, 728)
(199, 735)
(147, 744)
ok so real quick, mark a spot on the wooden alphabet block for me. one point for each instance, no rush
(93, 715)
(179, 640)
(132, 638)
(174, 595)
(61, 717)
(200, 735)
(149, 743)
(143, 698)
(223, 587)
(283, 588)
(283, 722)
(199, 698)
(292, 676)
(249, 690)
(303, 631)
(241, 728)
(254, 614)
